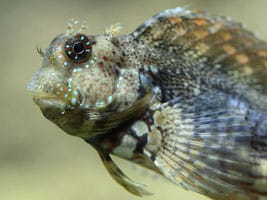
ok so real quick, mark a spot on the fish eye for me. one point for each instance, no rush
(79, 48)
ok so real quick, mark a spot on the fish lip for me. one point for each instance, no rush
(49, 102)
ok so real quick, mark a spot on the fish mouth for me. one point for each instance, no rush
(49, 101)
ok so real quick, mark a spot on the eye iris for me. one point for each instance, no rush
(79, 48)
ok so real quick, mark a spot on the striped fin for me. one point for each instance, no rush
(208, 149)
(212, 45)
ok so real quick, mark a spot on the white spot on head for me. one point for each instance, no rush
(73, 101)
(140, 128)
(75, 93)
(126, 148)
(92, 61)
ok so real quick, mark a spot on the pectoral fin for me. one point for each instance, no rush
(208, 146)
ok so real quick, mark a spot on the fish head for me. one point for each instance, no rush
(80, 83)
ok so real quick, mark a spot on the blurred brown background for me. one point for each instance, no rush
(37, 160)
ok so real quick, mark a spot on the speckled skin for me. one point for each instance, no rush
(184, 95)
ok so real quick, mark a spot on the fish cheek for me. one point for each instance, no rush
(96, 85)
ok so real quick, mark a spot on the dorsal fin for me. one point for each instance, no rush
(217, 43)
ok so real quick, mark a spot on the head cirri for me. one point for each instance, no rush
(80, 77)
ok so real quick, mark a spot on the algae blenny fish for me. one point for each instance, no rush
(184, 95)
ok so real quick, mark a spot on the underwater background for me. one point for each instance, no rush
(38, 161)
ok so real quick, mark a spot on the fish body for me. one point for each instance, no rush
(184, 95)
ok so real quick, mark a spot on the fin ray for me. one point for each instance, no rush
(207, 147)
(118, 175)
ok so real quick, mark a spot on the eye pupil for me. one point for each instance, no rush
(78, 49)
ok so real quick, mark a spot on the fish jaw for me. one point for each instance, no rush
(51, 90)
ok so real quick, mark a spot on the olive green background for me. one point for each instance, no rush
(37, 160)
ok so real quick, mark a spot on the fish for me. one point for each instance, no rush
(184, 95)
